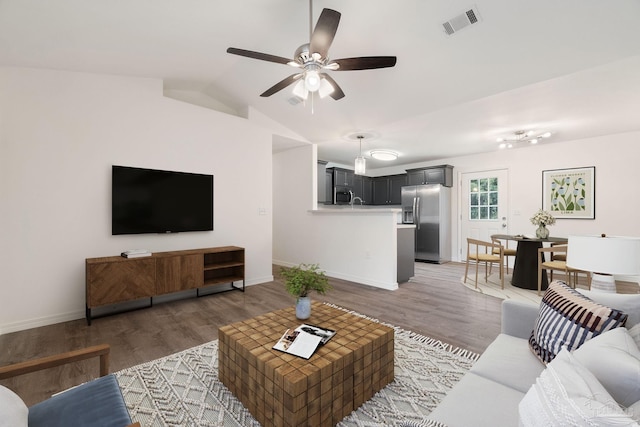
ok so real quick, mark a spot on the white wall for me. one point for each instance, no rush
(356, 247)
(615, 158)
(60, 133)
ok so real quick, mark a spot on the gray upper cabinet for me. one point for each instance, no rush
(387, 190)
(342, 177)
(322, 182)
(432, 175)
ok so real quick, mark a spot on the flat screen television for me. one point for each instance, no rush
(159, 201)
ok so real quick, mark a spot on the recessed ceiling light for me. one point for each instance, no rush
(386, 155)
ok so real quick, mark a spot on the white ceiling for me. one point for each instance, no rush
(571, 66)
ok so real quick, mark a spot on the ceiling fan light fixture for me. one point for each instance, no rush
(325, 89)
(312, 80)
(385, 155)
(300, 90)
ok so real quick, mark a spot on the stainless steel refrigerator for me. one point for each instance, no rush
(429, 208)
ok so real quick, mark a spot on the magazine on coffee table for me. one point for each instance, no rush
(303, 340)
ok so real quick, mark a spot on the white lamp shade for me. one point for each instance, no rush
(300, 91)
(607, 255)
(312, 81)
(360, 165)
(326, 88)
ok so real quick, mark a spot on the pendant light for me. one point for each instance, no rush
(360, 165)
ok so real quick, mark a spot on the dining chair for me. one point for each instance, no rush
(506, 250)
(558, 256)
(484, 252)
(557, 262)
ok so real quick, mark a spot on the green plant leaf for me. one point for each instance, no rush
(304, 278)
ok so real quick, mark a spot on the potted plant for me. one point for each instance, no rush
(300, 281)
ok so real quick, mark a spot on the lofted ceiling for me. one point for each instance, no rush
(571, 67)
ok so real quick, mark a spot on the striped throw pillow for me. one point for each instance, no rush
(568, 319)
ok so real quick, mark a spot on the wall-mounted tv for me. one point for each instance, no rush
(159, 201)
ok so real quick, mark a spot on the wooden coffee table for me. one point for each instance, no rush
(284, 390)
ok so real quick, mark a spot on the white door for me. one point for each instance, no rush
(484, 206)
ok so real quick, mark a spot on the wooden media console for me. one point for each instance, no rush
(113, 280)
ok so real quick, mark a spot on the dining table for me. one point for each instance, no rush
(525, 269)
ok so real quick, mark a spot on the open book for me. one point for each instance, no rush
(303, 340)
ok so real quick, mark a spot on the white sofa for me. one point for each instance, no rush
(490, 394)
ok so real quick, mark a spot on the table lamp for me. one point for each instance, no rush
(604, 256)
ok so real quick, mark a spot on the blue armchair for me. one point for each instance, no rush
(97, 403)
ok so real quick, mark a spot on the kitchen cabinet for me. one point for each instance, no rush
(322, 182)
(342, 177)
(363, 188)
(328, 183)
(387, 190)
(406, 252)
(442, 174)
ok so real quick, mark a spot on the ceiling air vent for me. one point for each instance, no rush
(461, 21)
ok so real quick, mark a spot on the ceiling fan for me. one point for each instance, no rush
(313, 61)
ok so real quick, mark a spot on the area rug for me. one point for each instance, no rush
(183, 389)
(492, 287)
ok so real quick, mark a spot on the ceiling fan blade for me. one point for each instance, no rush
(258, 55)
(281, 85)
(365, 63)
(337, 91)
(324, 32)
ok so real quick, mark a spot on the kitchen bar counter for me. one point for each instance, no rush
(356, 209)
(381, 259)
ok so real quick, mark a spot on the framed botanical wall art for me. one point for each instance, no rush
(570, 193)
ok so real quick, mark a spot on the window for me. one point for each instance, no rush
(483, 199)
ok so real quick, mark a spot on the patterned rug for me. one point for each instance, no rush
(183, 389)
(493, 288)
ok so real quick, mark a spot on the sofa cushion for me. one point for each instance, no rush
(568, 394)
(628, 303)
(478, 401)
(634, 332)
(634, 411)
(613, 357)
(13, 411)
(509, 361)
(568, 318)
(96, 403)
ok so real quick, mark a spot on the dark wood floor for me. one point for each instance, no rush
(433, 303)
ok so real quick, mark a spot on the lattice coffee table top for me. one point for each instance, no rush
(258, 335)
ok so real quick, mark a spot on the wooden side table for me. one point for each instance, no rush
(280, 389)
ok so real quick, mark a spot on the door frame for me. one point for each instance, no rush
(461, 243)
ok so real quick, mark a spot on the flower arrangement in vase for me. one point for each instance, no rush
(542, 218)
(300, 281)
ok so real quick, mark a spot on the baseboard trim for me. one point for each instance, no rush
(22, 325)
(376, 284)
